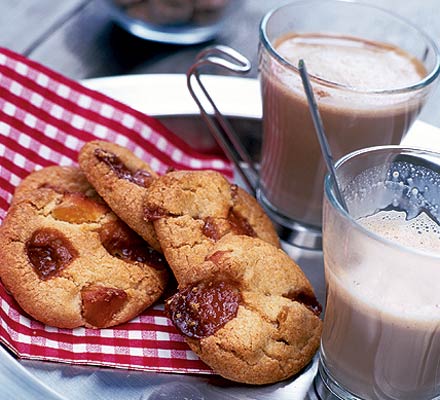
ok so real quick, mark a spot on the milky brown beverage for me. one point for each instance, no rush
(292, 170)
(381, 337)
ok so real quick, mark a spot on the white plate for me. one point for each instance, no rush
(167, 94)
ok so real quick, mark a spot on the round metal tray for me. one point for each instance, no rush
(166, 97)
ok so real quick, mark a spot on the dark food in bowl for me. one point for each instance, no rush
(173, 12)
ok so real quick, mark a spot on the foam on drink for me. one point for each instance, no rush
(421, 232)
(351, 61)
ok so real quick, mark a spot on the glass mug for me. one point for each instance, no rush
(381, 336)
(355, 115)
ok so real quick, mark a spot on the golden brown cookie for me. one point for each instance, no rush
(69, 260)
(248, 311)
(121, 179)
(192, 210)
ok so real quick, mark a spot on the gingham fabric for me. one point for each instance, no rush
(45, 119)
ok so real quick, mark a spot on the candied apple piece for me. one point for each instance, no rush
(201, 310)
(154, 213)
(211, 230)
(140, 177)
(215, 229)
(100, 304)
(122, 242)
(240, 225)
(77, 208)
(49, 252)
(307, 299)
(217, 256)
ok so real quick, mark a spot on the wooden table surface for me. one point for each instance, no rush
(79, 39)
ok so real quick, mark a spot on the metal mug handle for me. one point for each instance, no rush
(231, 60)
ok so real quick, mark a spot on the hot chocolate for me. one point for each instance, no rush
(381, 338)
(356, 112)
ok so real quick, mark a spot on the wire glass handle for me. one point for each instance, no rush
(231, 60)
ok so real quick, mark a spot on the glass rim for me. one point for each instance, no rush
(428, 79)
(334, 202)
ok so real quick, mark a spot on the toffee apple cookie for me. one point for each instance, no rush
(121, 180)
(69, 261)
(192, 210)
(248, 311)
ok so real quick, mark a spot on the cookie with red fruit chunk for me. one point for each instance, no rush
(69, 261)
(192, 210)
(248, 312)
(121, 179)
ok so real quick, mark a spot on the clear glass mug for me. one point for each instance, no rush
(381, 337)
(292, 169)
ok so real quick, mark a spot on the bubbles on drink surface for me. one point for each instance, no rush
(416, 187)
(403, 195)
(421, 232)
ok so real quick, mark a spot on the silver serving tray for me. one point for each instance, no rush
(166, 97)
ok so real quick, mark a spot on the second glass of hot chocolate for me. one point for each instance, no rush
(371, 72)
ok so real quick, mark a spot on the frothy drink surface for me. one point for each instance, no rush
(292, 168)
(352, 62)
(383, 339)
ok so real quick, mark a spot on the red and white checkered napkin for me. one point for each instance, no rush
(44, 119)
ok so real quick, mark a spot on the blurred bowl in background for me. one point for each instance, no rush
(172, 21)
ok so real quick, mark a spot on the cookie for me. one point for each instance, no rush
(121, 179)
(248, 312)
(69, 261)
(192, 210)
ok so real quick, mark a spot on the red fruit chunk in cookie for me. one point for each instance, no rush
(202, 309)
(100, 304)
(49, 252)
(121, 242)
(236, 224)
(307, 299)
(211, 230)
(240, 225)
(140, 177)
(154, 213)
